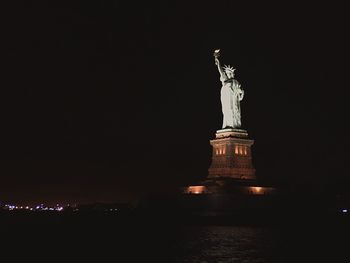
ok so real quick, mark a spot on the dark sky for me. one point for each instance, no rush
(105, 101)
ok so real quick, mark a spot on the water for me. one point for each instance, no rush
(272, 244)
(110, 239)
(226, 244)
(206, 244)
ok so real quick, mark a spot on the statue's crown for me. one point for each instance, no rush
(229, 68)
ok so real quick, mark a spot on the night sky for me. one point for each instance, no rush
(105, 101)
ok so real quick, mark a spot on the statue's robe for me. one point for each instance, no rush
(231, 95)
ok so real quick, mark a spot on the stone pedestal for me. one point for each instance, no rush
(232, 155)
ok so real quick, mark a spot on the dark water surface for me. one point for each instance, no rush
(105, 238)
(226, 244)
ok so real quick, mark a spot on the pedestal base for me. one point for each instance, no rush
(232, 155)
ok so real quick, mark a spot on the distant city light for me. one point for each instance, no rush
(40, 207)
(344, 210)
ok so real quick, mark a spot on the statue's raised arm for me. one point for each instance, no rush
(217, 63)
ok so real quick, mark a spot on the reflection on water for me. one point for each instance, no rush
(206, 244)
(226, 244)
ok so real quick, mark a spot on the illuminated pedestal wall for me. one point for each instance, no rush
(231, 185)
(232, 155)
(231, 170)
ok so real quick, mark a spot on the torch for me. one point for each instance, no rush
(216, 54)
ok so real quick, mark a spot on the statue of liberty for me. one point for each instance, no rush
(231, 95)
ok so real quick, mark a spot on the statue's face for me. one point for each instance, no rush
(229, 73)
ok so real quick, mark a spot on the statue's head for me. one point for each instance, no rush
(230, 71)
